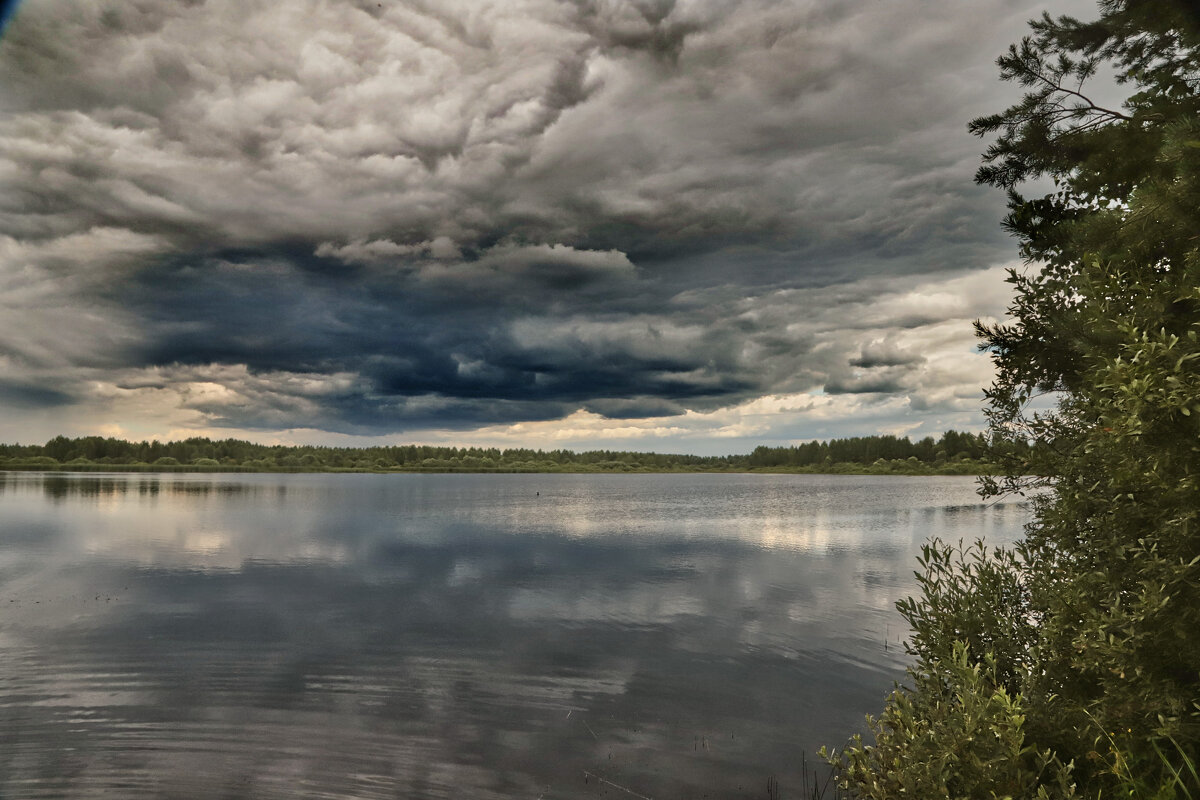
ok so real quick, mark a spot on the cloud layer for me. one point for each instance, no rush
(379, 217)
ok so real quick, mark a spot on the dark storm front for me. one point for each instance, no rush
(457, 636)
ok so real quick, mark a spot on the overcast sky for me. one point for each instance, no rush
(679, 226)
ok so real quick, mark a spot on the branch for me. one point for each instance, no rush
(1058, 87)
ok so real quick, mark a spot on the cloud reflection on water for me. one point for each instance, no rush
(443, 636)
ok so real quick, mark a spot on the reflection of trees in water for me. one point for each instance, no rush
(59, 487)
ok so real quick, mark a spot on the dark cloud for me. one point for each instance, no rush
(373, 217)
(24, 395)
(887, 383)
(421, 351)
(885, 354)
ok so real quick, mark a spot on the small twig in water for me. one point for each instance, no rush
(592, 732)
(625, 789)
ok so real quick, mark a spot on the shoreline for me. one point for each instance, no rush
(949, 470)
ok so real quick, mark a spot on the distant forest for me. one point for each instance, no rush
(952, 453)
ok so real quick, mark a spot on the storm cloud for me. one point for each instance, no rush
(392, 217)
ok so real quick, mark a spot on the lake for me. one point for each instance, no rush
(452, 636)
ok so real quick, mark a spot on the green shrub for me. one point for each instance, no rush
(973, 597)
(955, 734)
(38, 461)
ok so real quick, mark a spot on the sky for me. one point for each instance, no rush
(681, 226)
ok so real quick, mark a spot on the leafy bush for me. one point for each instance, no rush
(974, 598)
(955, 733)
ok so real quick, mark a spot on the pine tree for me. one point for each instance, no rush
(1106, 319)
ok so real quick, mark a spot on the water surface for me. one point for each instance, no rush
(451, 636)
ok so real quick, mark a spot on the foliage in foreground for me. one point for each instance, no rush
(1071, 665)
(955, 731)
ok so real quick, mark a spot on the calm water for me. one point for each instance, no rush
(451, 636)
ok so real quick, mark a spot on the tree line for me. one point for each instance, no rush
(953, 451)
